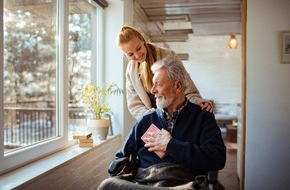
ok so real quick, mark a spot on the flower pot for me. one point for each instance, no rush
(99, 128)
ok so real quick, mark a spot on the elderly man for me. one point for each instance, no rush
(182, 139)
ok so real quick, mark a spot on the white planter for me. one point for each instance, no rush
(99, 128)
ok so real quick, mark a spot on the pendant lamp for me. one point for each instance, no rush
(233, 42)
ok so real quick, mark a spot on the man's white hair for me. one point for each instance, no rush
(174, 66)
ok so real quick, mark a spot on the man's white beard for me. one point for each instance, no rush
(164, 103)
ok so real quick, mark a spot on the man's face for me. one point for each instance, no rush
(163, 89)
(135, 50)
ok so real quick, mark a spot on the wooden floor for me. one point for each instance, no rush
(228, 176)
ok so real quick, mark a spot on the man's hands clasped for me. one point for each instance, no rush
(158, 141)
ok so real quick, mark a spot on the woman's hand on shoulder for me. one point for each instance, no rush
(207, 106)
(151, 109)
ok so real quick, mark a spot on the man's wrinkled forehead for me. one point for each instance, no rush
(160, 75)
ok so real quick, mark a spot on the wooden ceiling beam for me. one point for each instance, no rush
(183, 56)
(178, 31)
(169, 38)
(173, 3)
(164, 17)
(189, 10)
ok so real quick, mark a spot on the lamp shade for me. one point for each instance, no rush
(233, 42)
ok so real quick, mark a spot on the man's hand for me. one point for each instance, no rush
(207, 106)
(158, 141)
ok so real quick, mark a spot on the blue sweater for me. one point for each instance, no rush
(196, 140)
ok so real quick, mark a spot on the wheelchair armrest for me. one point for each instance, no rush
(116, 165)
(212, 176)
(124, 165)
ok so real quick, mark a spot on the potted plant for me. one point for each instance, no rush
(94, 100)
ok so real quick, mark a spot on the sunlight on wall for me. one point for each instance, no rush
(214, 68)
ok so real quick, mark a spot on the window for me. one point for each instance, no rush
(81, 61)
(29, 73)
(49, 51)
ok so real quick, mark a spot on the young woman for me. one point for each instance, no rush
(142, 55)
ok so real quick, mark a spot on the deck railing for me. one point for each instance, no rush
(30, 124)
(25, 126)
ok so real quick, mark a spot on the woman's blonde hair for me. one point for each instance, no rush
(126, 34)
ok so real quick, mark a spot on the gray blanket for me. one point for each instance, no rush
(160, 176)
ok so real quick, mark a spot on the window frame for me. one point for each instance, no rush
(15, 159)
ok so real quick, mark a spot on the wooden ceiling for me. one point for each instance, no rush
(173, 20)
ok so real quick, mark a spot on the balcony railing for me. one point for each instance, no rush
(26, 126)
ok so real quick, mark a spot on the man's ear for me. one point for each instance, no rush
(178, 86)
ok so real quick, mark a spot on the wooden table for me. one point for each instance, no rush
(232, 133)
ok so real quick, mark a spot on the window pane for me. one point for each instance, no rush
(82, 27)
(29, 72)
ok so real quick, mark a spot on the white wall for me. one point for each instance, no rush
(116, 15)
(214, 68)
(113, 59)
(268, 97)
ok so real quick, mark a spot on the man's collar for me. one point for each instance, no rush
(178, 111)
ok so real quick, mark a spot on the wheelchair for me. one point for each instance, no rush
(122, 173)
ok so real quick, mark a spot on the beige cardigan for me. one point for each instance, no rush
(137, 99)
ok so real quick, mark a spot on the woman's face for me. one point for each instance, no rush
(135, 50)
